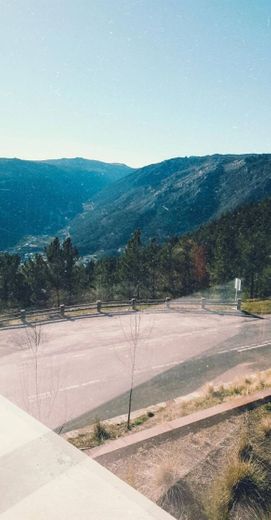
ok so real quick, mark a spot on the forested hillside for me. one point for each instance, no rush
(40, 198)
(174, 197)
(238, 244)
(100, 204)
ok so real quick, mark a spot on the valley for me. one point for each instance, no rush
(100, 205)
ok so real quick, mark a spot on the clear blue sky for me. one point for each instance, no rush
(134, 81)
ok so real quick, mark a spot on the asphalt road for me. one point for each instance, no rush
(80, 369)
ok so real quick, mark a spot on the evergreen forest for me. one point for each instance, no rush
(236, 245)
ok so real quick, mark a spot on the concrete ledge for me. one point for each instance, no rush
(42, 477)
(172, 429)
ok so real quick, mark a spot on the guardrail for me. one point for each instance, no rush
(65, 311)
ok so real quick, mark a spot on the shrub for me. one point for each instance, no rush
(265, 426)
(100, 432)
(162, 473)
(140, 420)
(241, 481)
(245, 450)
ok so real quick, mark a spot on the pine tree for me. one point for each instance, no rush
(105, 276)
(35, 283)
(200, 272)
(56, 266)
(151, 257)
(70, 275)
(131, 266)
(9, 271)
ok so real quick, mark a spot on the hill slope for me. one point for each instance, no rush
(41, 197)
(111, 171)
(172, 197)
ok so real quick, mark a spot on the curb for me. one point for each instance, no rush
(248, 314)
(190, 423)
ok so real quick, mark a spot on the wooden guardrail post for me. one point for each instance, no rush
(167, 301)
(203, 302)
(99, 305)
(23, 314)
(133, 304)
(239, 303)
(62, 309)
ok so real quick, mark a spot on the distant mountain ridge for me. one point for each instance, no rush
(40, 197)
(101, 204)
(113, 170)
(171, 198)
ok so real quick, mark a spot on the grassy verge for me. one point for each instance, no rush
(219, 473)
(242, 487)
(214, 395)
(101, 432)
(257, 306)
(211, 396)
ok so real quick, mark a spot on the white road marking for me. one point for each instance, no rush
(172, 363)
(157, 367)
(246, 347)
(87, 383)
(45, 395)
(72, 387)
(252, 347)
(120, 347)
(92, 382)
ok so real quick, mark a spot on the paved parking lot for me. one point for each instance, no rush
(81, 366)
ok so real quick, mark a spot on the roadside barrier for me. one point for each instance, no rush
(31, 316)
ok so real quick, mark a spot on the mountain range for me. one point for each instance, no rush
(41, 197)
(171, 198)
(101, 204)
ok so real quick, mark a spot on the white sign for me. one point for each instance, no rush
(237, 284)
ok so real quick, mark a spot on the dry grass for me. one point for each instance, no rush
(214, 395)
(257, 306)
(101, 432)
(211, 396)
(129, 475)
(222, 473)
(97, 434)
(241, 488)
(240, 481)
(265, 426)
(165, 470)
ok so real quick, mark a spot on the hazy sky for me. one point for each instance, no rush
(134, 81)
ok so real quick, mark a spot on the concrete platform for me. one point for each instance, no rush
(42, 477)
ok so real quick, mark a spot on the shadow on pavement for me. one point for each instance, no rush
(178, 381)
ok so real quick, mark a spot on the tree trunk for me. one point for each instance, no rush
(57, 297)
(252, 286)
(129, 409)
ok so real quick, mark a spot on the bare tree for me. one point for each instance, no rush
(35, 375)
(134, 337)
(33, 341)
